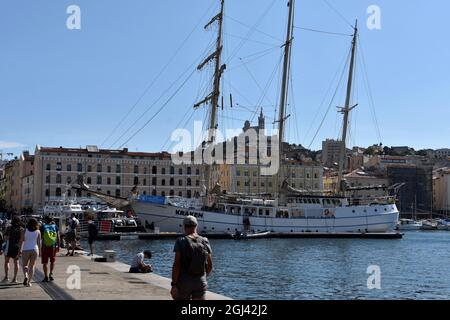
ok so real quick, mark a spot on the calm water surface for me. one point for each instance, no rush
(415, 267)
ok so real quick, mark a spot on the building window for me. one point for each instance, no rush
(154, 170)
(262, 184)
(118, 168)
(69, 180)
(171, 192)
(136, 169)
(99, 167)
(79, 167)
(245, 173)
(58, 166)
(172, 170)
(180, 171)
(47, 192)
(238, 183)
(136, 181)
(89, 180)
(189, 194)
(246, 183)
(58, 178)
(270, 183)
(154, 192)
(172, 182)
(254, 173)
(69, 167)
(163, 182)
(145, 182)
(197, 171)
(145, 170)
(180, 193)
(188, 182)
(315, 175)
(108, 192)
(180, 182)
(197, 182)
(117, 192)
(238, 173)
(188, 170)
(108, 180)
(254, 183)
(153, 181)
(89, 168)
(307, 176)
(108, 169)
(58, 192)
(117, 180)
(47, 179)
(163, 170)
(99, 179)
(48, 166)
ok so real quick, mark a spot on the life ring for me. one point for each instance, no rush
(327, 213)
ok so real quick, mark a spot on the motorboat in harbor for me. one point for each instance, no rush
(408, 225)
(429, 224)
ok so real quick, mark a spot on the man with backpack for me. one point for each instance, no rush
(50, 245)
(192, 263)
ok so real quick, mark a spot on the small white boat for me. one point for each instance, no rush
(409, 224)
(244, 235)
(429, 225)
(443, 224)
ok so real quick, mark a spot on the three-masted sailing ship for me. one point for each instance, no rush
(289, 210)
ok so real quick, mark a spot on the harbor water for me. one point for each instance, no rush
(415, 267)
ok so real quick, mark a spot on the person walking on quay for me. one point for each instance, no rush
(138, 265)
(71, 234)
(192, 263)
(92, 234)
(50, 246)
(12, 238)
(30, 243)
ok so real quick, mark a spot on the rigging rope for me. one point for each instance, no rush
(325, 32)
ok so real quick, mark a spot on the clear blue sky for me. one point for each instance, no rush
(61, 87)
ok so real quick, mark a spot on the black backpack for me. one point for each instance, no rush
(197, 256)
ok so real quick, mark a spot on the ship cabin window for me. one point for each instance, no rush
(267, 212)
(309, 200)
(260, 212)
(282, 214)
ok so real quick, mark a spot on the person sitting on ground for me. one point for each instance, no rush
(138, 265)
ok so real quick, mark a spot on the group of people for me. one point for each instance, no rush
(192, 263)
(27, 242)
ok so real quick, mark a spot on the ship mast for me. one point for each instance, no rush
(213, 97)
(346, 111)
(284, 86)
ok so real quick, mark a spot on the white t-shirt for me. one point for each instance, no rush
(137, 260)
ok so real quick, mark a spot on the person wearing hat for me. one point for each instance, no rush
(192, 263)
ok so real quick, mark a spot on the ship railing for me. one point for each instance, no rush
(371, 201)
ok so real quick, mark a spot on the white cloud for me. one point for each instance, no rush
(10, 145)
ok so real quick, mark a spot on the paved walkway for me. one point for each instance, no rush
(80, 278)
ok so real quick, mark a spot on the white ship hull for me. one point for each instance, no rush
(371, 218)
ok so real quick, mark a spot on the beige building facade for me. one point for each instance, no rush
(113, 172)
(441, 190)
